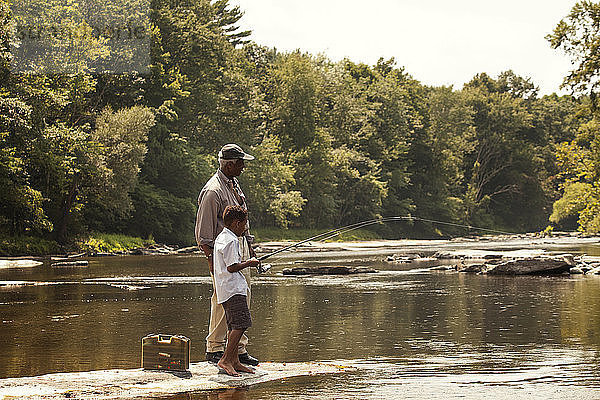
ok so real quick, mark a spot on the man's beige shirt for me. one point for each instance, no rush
(213, 198)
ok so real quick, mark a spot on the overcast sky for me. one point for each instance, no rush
(439, 42)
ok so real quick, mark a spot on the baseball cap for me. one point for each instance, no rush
(232, 151)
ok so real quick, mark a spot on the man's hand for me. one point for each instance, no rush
(211, 267)
(208, 252)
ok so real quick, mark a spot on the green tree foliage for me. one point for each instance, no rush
(505, 171)
(359, 190)
(578, 35)
(21, 208)
(268, 182)
(121, 136)
(161, 215)
(450, 138)
(335, 142)
(579, 162)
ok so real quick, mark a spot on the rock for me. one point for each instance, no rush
(533, 266)
(71, 264)
(67, 257)
(568, 258)
(444, 255)
(188, 250)
(337, 270)
(21, 263)
(425, 259)
(443, 268)
(594, 271)
(129, 384)
(576, 271)
(474, 268)
(492, 256)
(403, 258)
(102, 254)
(584, 267)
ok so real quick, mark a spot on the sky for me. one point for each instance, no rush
(438, 42)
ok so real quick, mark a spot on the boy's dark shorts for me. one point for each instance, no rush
(237, 313)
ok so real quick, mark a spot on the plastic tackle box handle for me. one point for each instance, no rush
(164, 338)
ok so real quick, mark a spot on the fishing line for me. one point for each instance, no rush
(339, 231)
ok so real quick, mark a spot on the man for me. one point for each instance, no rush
(220, 191)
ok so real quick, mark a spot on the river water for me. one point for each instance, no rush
(410, 332)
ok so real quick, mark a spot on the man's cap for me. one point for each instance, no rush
(232, 151)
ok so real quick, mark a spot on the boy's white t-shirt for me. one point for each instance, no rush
(227, 252)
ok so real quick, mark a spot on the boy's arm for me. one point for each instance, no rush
(253, 262)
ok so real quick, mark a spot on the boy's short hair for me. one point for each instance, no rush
(234, 213)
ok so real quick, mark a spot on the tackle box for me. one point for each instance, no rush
(166, 352)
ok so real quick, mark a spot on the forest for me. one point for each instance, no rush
(96, 138)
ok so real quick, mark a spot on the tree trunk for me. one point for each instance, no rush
(61, 234)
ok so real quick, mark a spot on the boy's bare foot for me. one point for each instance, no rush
(242, 368)
(229, 368)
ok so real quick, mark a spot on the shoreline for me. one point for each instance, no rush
(473, 243)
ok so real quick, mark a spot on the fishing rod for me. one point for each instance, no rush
(338, 231)
(332, 232)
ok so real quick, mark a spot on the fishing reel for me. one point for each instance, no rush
(262, 268)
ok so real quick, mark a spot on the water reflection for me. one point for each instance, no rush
(409, 326)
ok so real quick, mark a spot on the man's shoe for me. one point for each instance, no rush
(247, 359)
(214, 356)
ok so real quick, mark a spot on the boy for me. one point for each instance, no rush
(231, 286)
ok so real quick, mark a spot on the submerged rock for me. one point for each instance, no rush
(102, 254)
(408, 258)
(71, 264)
(337, 270)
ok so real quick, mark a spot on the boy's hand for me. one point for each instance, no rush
(254, 262)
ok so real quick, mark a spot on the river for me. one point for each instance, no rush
(411, 333)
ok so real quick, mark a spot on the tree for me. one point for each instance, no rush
(121, 136)
(21, 207)
(451, 137)
(505, 171)
(578, 35)
(359, 190)
(268, 182)
(579, 163)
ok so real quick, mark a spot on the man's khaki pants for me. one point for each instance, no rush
(217, 328)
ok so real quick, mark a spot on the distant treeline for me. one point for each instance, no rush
(335, 142)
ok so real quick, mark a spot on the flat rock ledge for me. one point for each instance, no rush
(125, 384)
(337, 270)
(561, 264)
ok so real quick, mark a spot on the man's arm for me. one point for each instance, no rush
(250, 249)
(206, 225)
(206, 219)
